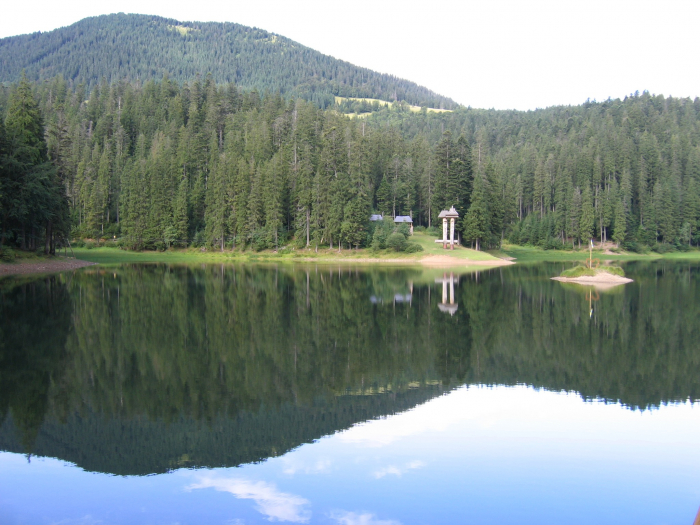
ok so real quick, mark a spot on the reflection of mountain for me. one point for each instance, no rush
(139, 446)
(141, 369)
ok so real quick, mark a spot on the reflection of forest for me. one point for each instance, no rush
(141, 369)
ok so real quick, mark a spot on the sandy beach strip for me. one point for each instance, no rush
(42, 266)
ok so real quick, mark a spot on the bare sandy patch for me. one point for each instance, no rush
(445, 261)
(432, 261)
(46, 266)
(602, 278)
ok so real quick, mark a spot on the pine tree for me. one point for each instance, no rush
(587, 220)
(476, 224)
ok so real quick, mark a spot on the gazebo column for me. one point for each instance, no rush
(444, 233)
(452, 234)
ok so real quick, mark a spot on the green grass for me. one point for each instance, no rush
(430, 247)
(581, 271)
(192, 255)
(526, 254)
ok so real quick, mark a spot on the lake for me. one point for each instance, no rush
(240, 394)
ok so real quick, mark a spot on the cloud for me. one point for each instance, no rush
(398, 471)
(351, 518)
(292, 467)
(276, 505)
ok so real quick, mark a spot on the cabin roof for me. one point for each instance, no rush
(376, 218)
(403, 218)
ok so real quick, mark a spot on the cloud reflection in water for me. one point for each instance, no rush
(351, 518)
(276, 505)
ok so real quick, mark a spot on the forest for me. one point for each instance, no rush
(160, 164)
(136, 47)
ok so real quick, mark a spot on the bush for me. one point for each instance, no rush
(663, 247)
(581, 271)
(396, 242)
(434, 231)
(7, 254)
(89, 245)
(382, 230)
(419, 229)
(79, 243)
(634, 246)
(198, 240)
(578, 271)
(413, 247)
(615, 270)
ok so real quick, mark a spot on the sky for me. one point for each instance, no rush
(502, 54)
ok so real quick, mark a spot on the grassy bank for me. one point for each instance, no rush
(526, 254)
(193, 255)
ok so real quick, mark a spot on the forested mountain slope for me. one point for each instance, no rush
(140, 47)
(158, 163)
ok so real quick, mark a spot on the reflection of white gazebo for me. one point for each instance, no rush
(450, 215)
(444, 306)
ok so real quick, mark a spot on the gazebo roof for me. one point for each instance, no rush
(447, 214)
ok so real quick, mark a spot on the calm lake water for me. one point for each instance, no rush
(353, 396)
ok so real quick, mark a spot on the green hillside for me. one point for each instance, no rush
(140, 47)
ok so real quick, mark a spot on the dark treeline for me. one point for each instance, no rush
(200, 354)
(621, 170)
(140, 48)
(161, 164)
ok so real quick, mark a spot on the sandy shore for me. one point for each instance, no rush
(444, 261)
(45, 266)
(603, 278)
(433, 261)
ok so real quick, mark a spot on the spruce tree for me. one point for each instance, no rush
(587, 220)
(476, 224)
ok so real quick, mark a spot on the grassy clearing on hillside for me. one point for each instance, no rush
(583, 271)
(415, 109)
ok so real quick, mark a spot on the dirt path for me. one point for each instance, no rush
(59, 264)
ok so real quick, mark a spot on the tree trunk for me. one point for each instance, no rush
(47, 246)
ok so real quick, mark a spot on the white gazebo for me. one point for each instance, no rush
(450, 215)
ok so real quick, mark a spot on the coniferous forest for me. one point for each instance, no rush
(162, 163)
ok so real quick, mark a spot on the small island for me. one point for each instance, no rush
(593, 275)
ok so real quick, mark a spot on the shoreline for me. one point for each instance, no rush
(603, 278)
(53, 265)
(430, 261)
(59, 264)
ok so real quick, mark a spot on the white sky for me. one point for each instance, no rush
(490, 53)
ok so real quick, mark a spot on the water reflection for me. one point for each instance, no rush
(150, 368)
(446, 282)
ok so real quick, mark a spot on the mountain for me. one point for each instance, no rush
(141, 47)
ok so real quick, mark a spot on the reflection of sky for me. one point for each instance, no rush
(478, 455)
